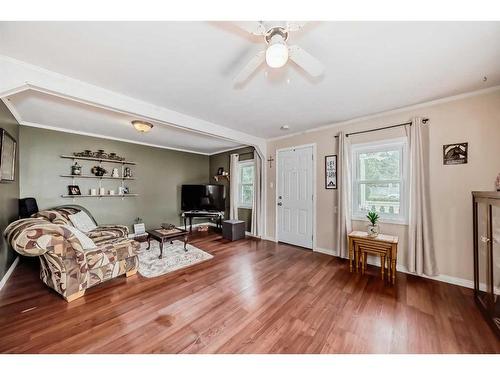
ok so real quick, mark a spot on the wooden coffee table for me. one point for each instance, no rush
(164, 235)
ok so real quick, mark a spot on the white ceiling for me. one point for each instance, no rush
(189, 66)
(36, 108)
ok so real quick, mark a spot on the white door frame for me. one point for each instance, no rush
(313, 146)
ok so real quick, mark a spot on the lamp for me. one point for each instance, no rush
(277, 52)
(142, 126)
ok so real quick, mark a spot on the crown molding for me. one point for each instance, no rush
(229, 149)
(20, 76)
(392, 112)
(95, 135)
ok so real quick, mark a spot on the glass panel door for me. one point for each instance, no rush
(484, 274)
(495, 228)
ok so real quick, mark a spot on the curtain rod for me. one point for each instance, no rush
(385, 127)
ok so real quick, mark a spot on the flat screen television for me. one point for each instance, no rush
(203, 197)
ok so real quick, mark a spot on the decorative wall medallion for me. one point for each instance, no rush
(455, 153)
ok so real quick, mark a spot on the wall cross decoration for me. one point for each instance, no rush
(270, 160)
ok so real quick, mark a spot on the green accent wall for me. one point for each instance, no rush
(223, 160)
(159, 174)
(9, 194)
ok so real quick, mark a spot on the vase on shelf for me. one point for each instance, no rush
(76, 169)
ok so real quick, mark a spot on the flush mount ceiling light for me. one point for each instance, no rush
(142, 126)
(285, 127)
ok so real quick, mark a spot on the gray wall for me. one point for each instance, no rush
(9, 194)
(159, 175)
(222, 160)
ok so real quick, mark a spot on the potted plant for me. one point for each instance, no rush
(373, 229)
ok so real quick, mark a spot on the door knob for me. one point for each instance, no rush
(280, 204)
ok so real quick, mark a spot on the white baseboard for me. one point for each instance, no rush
(8, 273)
(269, 238)
(375, 261)
(325, 251)
(250, 234)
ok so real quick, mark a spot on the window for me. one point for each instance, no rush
(379, 180)
(245, 186)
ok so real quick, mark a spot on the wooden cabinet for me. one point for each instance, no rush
(486, 211)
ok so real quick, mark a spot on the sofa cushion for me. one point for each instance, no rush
(111, 253)
(82, 221)
(85, 241)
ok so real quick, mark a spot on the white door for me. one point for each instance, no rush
(295, 196)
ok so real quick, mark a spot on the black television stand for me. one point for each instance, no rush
(188, 215)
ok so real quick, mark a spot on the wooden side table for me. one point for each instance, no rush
(385, 246)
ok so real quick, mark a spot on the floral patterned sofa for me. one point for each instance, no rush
(65, 265)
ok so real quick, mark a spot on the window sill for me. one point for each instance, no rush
(382, 221)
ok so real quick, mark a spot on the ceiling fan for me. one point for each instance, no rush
(278, 52)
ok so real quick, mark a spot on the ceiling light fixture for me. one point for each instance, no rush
(142, 126)
(277, 52)
(285, 127)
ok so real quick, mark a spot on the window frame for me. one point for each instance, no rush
(400, 144)
(241, 164)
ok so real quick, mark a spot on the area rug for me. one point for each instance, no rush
(174, 258)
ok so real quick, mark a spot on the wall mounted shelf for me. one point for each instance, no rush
(98, 177)
(218, 177)
(97, 159)
(99, 196)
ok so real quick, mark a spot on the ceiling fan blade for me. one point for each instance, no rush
(252, 27)
(250, 67)
(306, 61)
(295, 25)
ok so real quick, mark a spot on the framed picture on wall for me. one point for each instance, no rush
(330, 171)
(74, 190)
(7, 156)
(455, 153)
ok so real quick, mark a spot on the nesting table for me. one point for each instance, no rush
(383, 245)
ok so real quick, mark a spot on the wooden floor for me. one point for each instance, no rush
(252, 297)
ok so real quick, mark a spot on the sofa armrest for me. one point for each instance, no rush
(35, 236)
(123, 228)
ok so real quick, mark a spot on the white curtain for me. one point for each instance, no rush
(344, 224)
(421, 256)
(257, 189)
(234, 171)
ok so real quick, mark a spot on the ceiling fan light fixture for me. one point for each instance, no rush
(277, 54)
(142, 126)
